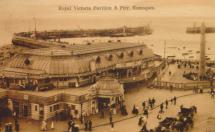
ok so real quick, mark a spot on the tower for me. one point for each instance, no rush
(202, 52)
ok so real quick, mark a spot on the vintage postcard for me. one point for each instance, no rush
(107, 65)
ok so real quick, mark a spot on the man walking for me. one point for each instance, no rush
(167, 104)
(161, 108)
(144, 105)
(174, 99)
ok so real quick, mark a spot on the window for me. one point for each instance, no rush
(27, 61)
(121, 55)
(51, 109)
(35, 107)
(56, 107)
(109, 57)
(98, 59)
(130, 53)
(72, 107)
(141, 52)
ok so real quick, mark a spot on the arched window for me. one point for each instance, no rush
(131, 53)
(120, 54)
(109, 57)
(27, 61)
(140, 52)
(98, 59)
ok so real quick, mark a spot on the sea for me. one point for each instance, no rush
(169, 35)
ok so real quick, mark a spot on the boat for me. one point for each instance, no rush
(172, 47)
(185, 54)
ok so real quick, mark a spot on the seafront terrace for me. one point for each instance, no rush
(172, 77)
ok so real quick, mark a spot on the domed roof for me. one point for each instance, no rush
(108, 86)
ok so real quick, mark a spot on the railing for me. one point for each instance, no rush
(183, 86)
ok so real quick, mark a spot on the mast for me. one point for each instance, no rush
(164, 53)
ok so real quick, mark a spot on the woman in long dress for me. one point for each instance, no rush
(52, 125)
(44, 125)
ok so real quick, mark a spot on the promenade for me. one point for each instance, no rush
(203, 121)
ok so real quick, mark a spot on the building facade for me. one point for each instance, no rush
(40, 83)
(77, 65)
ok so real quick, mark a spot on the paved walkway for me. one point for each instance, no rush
(203, 120)
(176, 74)
(137, 95)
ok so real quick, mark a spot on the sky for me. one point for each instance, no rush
(162, 8)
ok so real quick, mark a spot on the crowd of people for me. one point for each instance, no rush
(9, 125)
(151, 103)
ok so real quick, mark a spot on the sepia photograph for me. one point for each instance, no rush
(107, 65)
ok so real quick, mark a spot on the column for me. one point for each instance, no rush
(202, 52)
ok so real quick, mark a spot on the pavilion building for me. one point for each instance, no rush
(27, 79)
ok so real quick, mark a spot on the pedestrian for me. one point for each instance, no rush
(161, 108)
(212, 94)
(146, 113)
(149, 102)
(167, 104)
(56, 116)
(82, 118)
(76, 128)
(10, 128)
(171, 100)
(52, 125)
(144, 105)
(144, 129)
(153, 101)
(6, 127)
(181, 107)
(70, 123)
(86, 125)
(159, 117)
(134, 109)
(17, 127)
(90, 125)
(14, 115)
(140, 122)
(110, 119)
(114, 110)
(44, 126)
(174, 99)
(201, 90)
(112, 126)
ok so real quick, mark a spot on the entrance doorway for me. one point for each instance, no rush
(25, 110)
(103, 103)
(16, 107)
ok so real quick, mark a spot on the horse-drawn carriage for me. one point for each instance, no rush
(166, 125)
(180, 124)
(187, 112)
(185, 120)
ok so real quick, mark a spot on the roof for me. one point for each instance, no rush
(108, 86)
(81, 49)
(61, 62)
